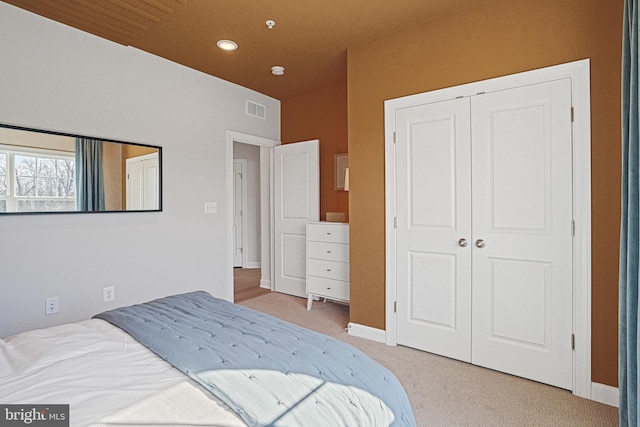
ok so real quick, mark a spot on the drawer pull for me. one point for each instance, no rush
(328, 234)
(328, 252)
(329, 288)
(328, 269)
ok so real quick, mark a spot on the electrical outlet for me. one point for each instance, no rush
(109, 293)
(51, 305)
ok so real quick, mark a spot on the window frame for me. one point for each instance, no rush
(11, 151)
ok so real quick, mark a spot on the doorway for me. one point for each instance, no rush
(296, 163)
(246, 222)
(262, 224)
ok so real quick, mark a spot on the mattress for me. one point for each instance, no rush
(127, 385)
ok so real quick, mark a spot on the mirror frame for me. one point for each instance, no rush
(72, 135)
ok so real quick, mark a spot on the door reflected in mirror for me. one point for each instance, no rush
(48, 172)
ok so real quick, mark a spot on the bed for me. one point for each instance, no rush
(193, 359)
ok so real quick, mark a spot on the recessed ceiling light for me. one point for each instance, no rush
(227, 44)
(277, 70)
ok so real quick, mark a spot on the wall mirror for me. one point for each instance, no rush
(49, 172)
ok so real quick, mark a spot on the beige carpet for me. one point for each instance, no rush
(445, 392)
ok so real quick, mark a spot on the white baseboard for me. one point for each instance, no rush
(254, 264)
(605, 394)
(265, 284)
(367, 332)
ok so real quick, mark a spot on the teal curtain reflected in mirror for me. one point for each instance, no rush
(89, 175)
(630, 224)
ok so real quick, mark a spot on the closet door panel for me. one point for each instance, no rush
(522, 215)
(433, 214)
(519, 168)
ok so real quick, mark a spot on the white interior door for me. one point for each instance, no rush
(297, 201)
(433, 214)
(238, 211)
(522, 212)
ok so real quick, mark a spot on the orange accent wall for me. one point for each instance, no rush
(489, 39)
(320, 115)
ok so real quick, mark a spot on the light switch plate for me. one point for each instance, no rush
(210, 207)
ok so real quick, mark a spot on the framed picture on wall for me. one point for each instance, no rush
(340, 165)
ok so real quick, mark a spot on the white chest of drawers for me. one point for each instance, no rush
(327, 261)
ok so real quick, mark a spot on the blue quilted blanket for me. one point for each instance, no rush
(271, 372)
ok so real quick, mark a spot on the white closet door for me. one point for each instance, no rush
(522, 213)
(433, 215)
(297, 201)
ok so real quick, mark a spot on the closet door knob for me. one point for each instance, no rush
(480, 243)
(462, 243)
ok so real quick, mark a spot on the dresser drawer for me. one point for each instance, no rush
(329, 251)
(329, 269)
(326, 232)
(328, 288)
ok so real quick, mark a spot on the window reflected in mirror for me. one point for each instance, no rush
(45, 172)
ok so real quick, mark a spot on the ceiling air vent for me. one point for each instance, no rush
(256, 110)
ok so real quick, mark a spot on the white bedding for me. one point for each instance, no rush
(105, 376)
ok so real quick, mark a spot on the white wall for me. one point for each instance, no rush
(251, 153)
(57, 78)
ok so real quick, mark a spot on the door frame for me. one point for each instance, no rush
(579, 73)
(266, 212)
(243, 169)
